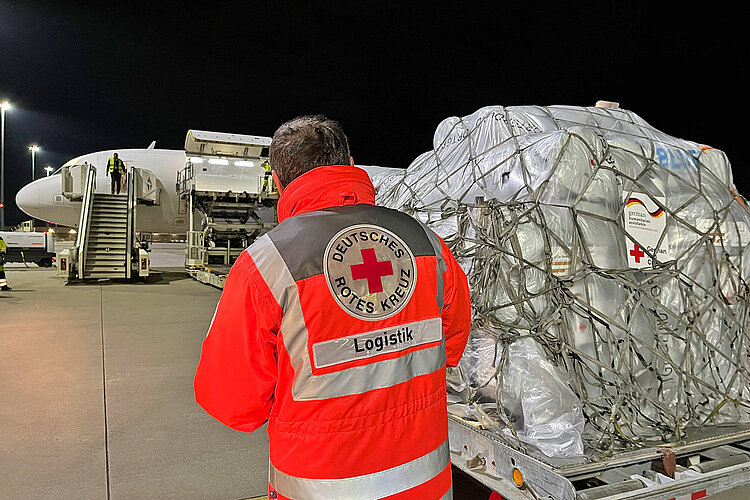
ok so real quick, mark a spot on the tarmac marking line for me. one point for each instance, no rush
(104, 389)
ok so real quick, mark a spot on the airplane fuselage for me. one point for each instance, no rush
(43, 199)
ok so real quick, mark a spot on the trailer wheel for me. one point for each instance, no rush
(44, 262)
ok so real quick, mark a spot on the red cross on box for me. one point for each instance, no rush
(372, 270)
(637, 253)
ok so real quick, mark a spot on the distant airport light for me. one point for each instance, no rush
(5, 105)
(33, 148)
(72, 231)
(48, 169)
(244, 163)
(214, 161)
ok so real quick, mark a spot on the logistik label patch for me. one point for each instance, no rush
(370, 271)
(371, 344)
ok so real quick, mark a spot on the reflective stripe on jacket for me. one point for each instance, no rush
(336, 327)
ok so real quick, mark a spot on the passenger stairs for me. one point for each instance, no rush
(106, 245)
(106, 251)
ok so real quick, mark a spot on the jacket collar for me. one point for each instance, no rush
(323, 187)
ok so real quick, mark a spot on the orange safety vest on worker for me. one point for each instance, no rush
(336, 327)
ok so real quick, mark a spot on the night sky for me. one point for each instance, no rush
(87, 77)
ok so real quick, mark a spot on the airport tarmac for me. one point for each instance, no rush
(97, 398)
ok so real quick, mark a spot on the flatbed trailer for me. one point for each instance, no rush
(714, 464)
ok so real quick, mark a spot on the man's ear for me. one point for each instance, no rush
(276, 180)
(351, 161)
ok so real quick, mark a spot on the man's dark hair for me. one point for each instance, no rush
(304, 143)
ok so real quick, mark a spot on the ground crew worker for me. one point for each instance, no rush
(3, 250)
(267, 167)
(115, 169)
(336, 327)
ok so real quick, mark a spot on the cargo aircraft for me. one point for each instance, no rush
(43, 199)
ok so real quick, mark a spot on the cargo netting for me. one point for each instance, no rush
(608, 265)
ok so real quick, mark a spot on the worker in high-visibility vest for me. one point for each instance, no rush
(3, 281)
(336, 327)
(115, 169)
(267, 167)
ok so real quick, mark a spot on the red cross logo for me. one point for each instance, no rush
(372, 270)
(637, 253)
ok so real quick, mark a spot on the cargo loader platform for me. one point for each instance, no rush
(226, 183)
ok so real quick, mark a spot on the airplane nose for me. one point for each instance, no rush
(27, 199)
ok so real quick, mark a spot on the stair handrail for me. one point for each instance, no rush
(188, 174)
(84, 220)
(132, 202)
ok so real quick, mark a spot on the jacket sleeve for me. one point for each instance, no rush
(236, 375)
(456, 308)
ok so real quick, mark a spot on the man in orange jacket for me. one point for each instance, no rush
(336, 327)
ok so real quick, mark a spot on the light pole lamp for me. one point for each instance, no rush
(4, 106)
(48, 169)
(33, 148)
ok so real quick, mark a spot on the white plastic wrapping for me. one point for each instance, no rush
(546, 411)
(620, 252)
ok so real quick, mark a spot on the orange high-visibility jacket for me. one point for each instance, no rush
(336, 327)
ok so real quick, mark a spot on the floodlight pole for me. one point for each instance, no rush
(33, 148)
(3, 106)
